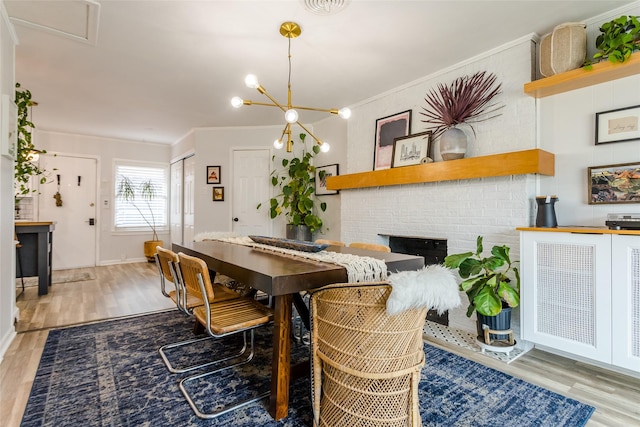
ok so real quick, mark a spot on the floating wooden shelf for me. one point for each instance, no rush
(514, 163)
(579, 78)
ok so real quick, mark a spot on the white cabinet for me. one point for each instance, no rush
(580, 294)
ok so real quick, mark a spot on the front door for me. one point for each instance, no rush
(251, 186)
(69, 199)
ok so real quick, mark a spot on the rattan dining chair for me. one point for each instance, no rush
(365, 363)
(370, 246)
(186, 300)
(330, 242)
(222, 318)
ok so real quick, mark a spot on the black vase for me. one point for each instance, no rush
(500, 322)
(298, 232)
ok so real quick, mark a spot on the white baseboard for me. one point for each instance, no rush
(6, 341)
(119, 261)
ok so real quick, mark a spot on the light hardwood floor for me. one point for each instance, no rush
(129, 289)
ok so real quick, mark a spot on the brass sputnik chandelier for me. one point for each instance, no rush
(290, 30)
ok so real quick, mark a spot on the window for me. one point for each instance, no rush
(140, 213)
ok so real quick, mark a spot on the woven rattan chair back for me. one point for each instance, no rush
(167, 263)
(330, 242)
(366, 364)
(370, 246)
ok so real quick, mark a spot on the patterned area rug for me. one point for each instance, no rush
(110, 373)
(62, 276)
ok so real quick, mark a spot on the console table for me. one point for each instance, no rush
(36, 239)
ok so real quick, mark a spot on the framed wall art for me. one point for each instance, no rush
(411, 149)
(614, 184)
(618, 125)
(387, 129)
(213, 175)
(218, 194)
(322, 173)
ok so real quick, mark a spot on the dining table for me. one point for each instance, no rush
(283, 277)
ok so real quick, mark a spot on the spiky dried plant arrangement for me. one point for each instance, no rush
(465, 100)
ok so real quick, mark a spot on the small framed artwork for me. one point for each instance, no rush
(411, 150)
(213, 174)
(218, 194)
(322, 173)
(387, 129)
(614, 184)
(618, 125)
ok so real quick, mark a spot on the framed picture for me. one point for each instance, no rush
(614, 184)
(411, 149)
(322, 173)
(387, 129)
(218, 194)
(213, 174)
(618, 125)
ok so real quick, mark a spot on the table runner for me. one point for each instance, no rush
(359, 268)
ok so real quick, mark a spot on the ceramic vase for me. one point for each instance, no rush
(453, 144)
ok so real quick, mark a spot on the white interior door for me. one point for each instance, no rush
(189, 202)
(176, 202)
(74, 237)
(251, 186)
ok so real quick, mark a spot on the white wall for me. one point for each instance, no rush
(113, 248)
(7, 247)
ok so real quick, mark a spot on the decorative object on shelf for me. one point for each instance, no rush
(213, 175)
(467, 100)
(453, 144)
(290, 30)
(546, 215)
(387, 129)
(296, 182)
(618, 125)
(488, 286)
(614, 184)
(322, 173)
(218, 194)
(411, 149)
(618, 39)
(563, 49)
(25, 152)
(131, 192)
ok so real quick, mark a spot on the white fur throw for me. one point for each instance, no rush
(434, 287)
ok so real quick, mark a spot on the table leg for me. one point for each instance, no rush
(44, 275)
(281, 364)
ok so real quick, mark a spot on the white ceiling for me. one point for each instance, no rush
(157, 69)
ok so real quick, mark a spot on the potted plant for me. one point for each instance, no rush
(25, 166)
(618, 39)
(491, 292)
(145, 191)
(466, 100)
(296, 198)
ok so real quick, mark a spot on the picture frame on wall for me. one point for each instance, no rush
(411, 149)
(618, 125)
(614, 184)
(213, 175)
(322, 173)
(387, 129)
(218, 194)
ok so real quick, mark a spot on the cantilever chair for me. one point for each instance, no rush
(371, 246)
(365, 363)
(186, 300)
(222, 318)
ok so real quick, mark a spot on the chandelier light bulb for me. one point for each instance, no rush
(251, 81)
(237, 102)
(278, 144)
(344, 113)
(325, 147)
(291, 116)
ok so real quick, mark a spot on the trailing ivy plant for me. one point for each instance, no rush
(296, 182)
(24, 167)
(618, 39)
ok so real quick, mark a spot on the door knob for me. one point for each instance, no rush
(235, 219)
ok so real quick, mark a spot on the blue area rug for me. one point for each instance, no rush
(110, 374)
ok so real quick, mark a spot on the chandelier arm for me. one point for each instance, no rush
(277, 104)
(297, 107)
(310, 133)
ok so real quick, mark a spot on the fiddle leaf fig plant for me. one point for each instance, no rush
(618, 39)
(296, 183)
(25, 167)
(486, 283)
